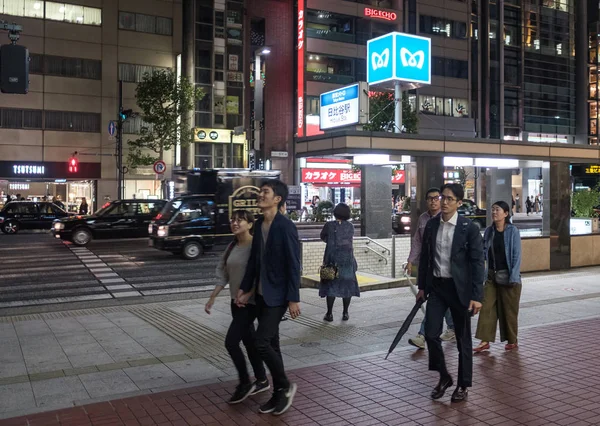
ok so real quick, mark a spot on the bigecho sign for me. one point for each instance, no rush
(380, 14)
(341, 177)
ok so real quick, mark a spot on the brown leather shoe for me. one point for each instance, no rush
(511, 346)
(482, 347)
(460, 394)
(440, 389)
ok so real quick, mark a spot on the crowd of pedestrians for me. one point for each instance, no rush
(459, 274)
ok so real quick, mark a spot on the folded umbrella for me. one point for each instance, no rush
(414, 289)
(405, 326)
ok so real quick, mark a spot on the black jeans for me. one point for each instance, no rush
(267, 341)
(242, 330)
(442, 297)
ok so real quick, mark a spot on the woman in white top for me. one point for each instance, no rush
(231, 270)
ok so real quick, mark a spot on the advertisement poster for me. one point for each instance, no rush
(219, 107)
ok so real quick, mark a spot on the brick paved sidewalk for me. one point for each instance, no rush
(548, 381)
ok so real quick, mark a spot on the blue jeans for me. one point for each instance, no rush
(449, 322)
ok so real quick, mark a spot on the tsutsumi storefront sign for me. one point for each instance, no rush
(48, 170)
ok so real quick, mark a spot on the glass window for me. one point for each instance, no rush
(442, 27)
(328, 25)
(460, 107)
(72, 121)
(164, 26)
(122, 209)
(33, 8)
(73, 13)
(204, 32)
(32, 119)
(427, 104)
(92, 16)
(73, 67)
(330, 69)
(134, 73)
(127, 21)
(14, 7)
(12, 118)
(145, 23)
(55, 11)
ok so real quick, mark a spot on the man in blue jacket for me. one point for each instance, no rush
(273, 273)
(451, 271)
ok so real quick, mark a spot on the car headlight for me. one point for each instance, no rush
(405, 219)
(58, 226)
(150, 229)
(163, 231)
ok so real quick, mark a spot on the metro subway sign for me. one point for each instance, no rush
(399, 57)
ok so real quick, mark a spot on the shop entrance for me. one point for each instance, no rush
(70, 193)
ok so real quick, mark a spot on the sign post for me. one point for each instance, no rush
(399, 60)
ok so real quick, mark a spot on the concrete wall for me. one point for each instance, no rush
(585, 250)
(536, 254)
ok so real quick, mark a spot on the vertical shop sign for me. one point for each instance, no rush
(300, 71)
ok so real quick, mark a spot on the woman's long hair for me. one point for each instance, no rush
(504, 206)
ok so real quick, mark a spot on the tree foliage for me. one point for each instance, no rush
(381, 113)
(583, 202)
(164, 101)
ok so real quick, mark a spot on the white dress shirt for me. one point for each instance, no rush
(443, 247)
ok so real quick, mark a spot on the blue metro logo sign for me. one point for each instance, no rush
(399, 56)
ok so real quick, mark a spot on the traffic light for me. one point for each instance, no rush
(73, 165)
(124, 114)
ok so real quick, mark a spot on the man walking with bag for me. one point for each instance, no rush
(451, 270)
(273, 272)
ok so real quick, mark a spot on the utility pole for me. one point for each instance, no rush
(120, 144)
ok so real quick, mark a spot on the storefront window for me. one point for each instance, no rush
(438, 105)
(427, 104)
(330, 26)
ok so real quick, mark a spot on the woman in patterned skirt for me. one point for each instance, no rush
(338, 236)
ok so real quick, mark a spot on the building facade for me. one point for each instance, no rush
(79, 51)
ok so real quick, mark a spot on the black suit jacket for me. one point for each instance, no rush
(467, 260)
(281, 279)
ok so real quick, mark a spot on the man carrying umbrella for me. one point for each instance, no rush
(451, 269)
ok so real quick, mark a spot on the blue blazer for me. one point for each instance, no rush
(466, 259)
(512, 249)
(281, 279)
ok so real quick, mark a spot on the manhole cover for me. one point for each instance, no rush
(310, 344)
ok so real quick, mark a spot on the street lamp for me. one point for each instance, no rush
(258, 93)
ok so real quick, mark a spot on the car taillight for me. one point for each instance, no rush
(158, 216)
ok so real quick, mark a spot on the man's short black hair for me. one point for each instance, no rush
(279, 188)
(456, 188)
(431, 190)
(342, 212)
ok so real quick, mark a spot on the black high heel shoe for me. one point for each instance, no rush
(328, 317)
(345, 317)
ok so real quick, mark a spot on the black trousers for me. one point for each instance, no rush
(444, 296)
(267, 341)
(242, 330)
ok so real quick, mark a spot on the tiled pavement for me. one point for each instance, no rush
(547, 381)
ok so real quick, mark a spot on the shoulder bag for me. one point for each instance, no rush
(329, 270)
(501, 277)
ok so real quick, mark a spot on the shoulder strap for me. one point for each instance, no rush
(228, 251)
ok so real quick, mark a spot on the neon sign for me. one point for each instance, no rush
(28, 170)
(380, 14)
(300, 71)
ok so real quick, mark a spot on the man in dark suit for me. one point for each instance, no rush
(273, 272)
(451, 270)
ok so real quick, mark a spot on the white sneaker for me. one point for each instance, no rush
(418, 341)
(448, 335)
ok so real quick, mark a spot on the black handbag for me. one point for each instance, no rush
(501, 277)
(329, 271)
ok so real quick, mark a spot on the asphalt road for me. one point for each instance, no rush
(38, 272)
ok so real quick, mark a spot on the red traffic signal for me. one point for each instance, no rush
(73, 165)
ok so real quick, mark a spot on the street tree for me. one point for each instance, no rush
(381, 113)
(164, 100)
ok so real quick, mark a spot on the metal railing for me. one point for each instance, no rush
(381, 256)
(368, 240)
